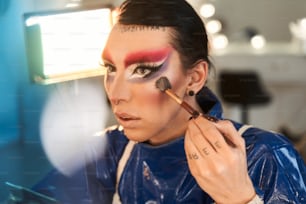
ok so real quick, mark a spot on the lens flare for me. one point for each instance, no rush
(73, 114)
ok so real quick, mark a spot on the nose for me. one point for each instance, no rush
(117, 90)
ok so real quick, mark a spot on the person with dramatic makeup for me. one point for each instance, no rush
(158, 153)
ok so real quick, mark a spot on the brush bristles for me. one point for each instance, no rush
(163, 84)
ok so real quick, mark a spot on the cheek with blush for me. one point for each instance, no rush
(150, 98)
(178, 85)
(156, 104)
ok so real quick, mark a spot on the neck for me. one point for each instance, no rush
(173, 130)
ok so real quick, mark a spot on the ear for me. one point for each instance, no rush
(198, 76)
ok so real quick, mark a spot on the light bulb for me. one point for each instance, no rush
(213, 26)
(219, 41)
(258, 41)
(207, 10)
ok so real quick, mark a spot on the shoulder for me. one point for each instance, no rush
(266, 139)
(112, 135)
(270, 148)
(110, 142)
(262, 144)
(274, 163)
(259, 138)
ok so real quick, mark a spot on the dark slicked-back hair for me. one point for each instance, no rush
(189, 35)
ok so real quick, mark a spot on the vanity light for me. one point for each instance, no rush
(213, 26)
(73, 3)
(219, 41)
(63, 55)
(258, 41)
(303, 22)
(207, 10)
(115, 13)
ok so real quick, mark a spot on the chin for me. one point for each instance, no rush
(136, 135)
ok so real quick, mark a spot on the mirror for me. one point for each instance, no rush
(271, 19)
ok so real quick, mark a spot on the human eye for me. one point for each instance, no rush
(109, 68)
(144, 70)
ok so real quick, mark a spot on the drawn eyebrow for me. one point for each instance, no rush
(146, 56)
(106, 57)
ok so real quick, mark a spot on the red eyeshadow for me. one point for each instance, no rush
(146, 56)
(106, 55)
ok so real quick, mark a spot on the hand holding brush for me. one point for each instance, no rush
(164, 85)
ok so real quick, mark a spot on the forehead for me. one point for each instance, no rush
(124, 39)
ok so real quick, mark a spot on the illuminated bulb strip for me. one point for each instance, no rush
(219, 41)
(258, 41)
(72, 5)
(207, 10)
(214, 26)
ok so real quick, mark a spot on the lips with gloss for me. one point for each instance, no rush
(127, 120)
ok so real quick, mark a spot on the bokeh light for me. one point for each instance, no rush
(258, 41)
(219, 41)
(213, 26)
(207, 10)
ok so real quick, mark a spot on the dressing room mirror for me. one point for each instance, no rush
(242, 18)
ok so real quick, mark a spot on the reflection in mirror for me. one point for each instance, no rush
(256, 23)
(244, 18)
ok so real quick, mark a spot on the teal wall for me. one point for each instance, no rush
(20, 98)
(21, 155)
(10, 59)
(23, 159)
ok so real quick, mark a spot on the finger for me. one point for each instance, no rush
(192, 152)
(198, 139)
(228, 130)
(211, 134)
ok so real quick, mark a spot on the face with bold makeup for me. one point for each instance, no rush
(134, 60)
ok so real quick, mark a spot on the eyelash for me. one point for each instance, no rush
(109, 68)
(151, 68)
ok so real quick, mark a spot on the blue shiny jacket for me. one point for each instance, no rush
(160, 174)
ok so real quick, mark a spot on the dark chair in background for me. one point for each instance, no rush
(243, 88)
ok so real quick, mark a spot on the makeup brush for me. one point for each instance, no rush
(164, 85)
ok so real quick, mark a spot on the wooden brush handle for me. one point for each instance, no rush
(194, 113)
(190, 110)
